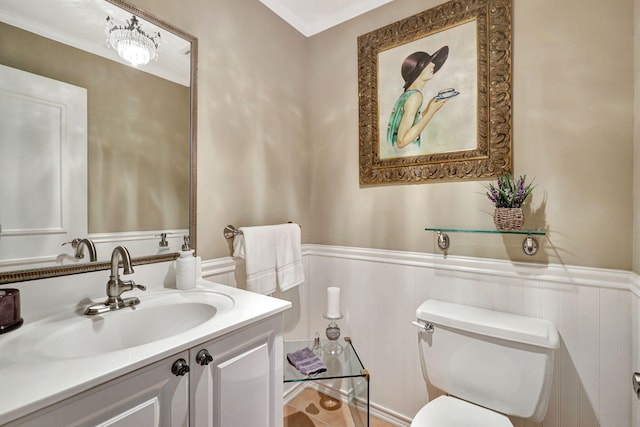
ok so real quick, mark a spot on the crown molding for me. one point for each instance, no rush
(311, 17)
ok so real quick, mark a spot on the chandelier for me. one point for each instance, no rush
(132, 44)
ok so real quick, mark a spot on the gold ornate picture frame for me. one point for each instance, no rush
(445, 76)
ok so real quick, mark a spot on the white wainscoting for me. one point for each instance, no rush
(592, 308)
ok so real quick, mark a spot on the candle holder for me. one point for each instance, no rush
(332, 348)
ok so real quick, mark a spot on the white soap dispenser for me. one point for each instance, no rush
(185, 267)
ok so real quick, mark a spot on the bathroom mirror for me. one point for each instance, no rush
(140, 172)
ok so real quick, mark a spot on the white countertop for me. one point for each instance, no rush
(37, 380)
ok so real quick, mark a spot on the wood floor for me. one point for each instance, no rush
(312, 408)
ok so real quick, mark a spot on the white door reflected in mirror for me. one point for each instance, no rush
(43, 167)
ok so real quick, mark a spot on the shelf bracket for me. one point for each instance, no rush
(443, 241)
(530, 245)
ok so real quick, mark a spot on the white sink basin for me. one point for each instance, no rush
(155, 318)
(129, 327)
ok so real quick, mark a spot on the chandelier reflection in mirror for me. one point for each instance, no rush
(131, 42)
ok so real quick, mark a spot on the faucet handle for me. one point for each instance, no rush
(141, 287)
(74, 243)
(130, 284)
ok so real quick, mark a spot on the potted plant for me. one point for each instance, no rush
(508, 197)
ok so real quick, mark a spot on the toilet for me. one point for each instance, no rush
(491, 364)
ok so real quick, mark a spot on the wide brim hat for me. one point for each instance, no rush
(413, 64)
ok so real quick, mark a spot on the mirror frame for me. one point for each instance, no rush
(48, 272)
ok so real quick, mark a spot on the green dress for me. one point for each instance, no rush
(396, 117)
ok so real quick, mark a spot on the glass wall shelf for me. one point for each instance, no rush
(529, 245)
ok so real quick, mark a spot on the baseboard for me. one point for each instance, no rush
(292, 392)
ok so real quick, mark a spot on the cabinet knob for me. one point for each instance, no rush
(180, 367)
(204, 357)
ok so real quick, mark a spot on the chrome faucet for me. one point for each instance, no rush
(79, 244)
(116, 286)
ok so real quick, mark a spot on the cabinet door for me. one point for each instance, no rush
(151, 396)
(242, 385)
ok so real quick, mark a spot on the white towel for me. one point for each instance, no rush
(257, 246)
(289, 267)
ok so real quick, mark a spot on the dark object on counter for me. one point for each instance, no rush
(9, 310)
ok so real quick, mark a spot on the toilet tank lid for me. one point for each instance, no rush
(491, 323)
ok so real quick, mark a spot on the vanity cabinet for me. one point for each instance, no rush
(232, 380)
(150, 396)
(240, 384)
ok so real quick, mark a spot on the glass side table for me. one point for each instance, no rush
(345, 375)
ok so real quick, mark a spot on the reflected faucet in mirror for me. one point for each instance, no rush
(116, 286)
(79, 245)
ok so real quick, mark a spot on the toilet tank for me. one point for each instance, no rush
(498, 360)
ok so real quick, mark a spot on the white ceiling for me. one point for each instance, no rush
(314, 16)
(87, 17)
(81, 24)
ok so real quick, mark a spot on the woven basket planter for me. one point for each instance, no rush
(508, 219)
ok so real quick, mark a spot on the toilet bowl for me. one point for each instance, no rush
(492, 365)
(447, 411)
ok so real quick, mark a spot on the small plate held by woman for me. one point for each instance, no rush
(446, 93)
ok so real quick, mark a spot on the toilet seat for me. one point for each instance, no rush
(447, 411)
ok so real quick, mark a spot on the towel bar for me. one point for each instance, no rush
(230, 231)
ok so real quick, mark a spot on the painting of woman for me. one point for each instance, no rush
(407, 122)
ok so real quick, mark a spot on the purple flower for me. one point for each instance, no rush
(509, 193)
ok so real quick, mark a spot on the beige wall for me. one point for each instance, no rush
(572, 131)
(636, 140)
(635, 301)
(252, 138)
(278, 133)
